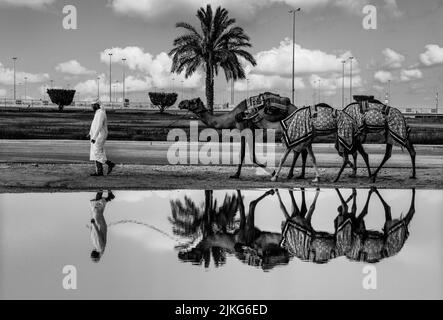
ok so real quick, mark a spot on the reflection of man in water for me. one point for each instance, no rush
(98, 227)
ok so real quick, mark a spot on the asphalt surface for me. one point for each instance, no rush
(156, 153)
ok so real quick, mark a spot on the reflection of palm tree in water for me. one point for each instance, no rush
(209, 224)
(98, 227)
(220, 234)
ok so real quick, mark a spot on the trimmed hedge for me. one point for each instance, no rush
(163, 100)
(61, 97)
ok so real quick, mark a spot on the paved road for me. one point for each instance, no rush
(155, 153)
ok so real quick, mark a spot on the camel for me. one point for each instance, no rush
(359, 244)
(235, 119)
(302, 126)
(350, 238)
(298, 238)
(372, 116)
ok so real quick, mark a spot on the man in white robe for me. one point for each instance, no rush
(98, 135)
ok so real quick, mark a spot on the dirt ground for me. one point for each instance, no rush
(16, 177)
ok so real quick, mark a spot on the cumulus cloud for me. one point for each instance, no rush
(72, 67)
(155, 69)
(411, 74)
(334, 82)
(35, 4)
(278, 61)
(393, 59)
(432, 56)
(7, 76)
(391, 7)
(383, 76)
(274, 68)
(262, 82)
(150, 9)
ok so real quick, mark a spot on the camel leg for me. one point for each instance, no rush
(254, 158)
(304, 157)
(294, 161)
(343, 166)
(242, 159)
(282, 206)
(282, 161)
(412, 153)
(354, 169)
(387, 208)
(311, 210)
(388, 154)
(314, 162)
(365, 157)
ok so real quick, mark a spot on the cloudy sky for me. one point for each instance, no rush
(406, 48)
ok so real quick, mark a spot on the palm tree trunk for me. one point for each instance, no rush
(209, 88)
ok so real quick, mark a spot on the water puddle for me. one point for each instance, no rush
(223, 244)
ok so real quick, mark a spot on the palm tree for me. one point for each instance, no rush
(220, 44)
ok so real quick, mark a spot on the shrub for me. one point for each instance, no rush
(163, 100)
(61, 97)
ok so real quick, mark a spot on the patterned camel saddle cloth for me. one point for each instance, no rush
(396, 238)
(275, 107)
(373, 116)
(301, 126)
(296, 239)
(347, 132)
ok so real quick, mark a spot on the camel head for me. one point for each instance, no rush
(195, 105)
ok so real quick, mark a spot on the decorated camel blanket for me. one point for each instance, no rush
(265, 100)
(347, 132)
(306, 244)
(300, 127)
(374, 116)
(296, 239)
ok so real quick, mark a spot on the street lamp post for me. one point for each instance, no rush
(98, 87)
(183, 98)
(232, 91)
(110, 77)
(26, 85)
(14, 59)
(350, 84)
(124, 76)
(247, 88)
(389, 92)
(293, 51)
(343, 85)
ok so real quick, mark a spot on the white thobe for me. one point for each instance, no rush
(99, 133)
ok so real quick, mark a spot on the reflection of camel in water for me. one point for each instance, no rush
(351, 239)
(98, 227)
(369, 245)
(300, 238)
(249, 244)
(219, 233)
